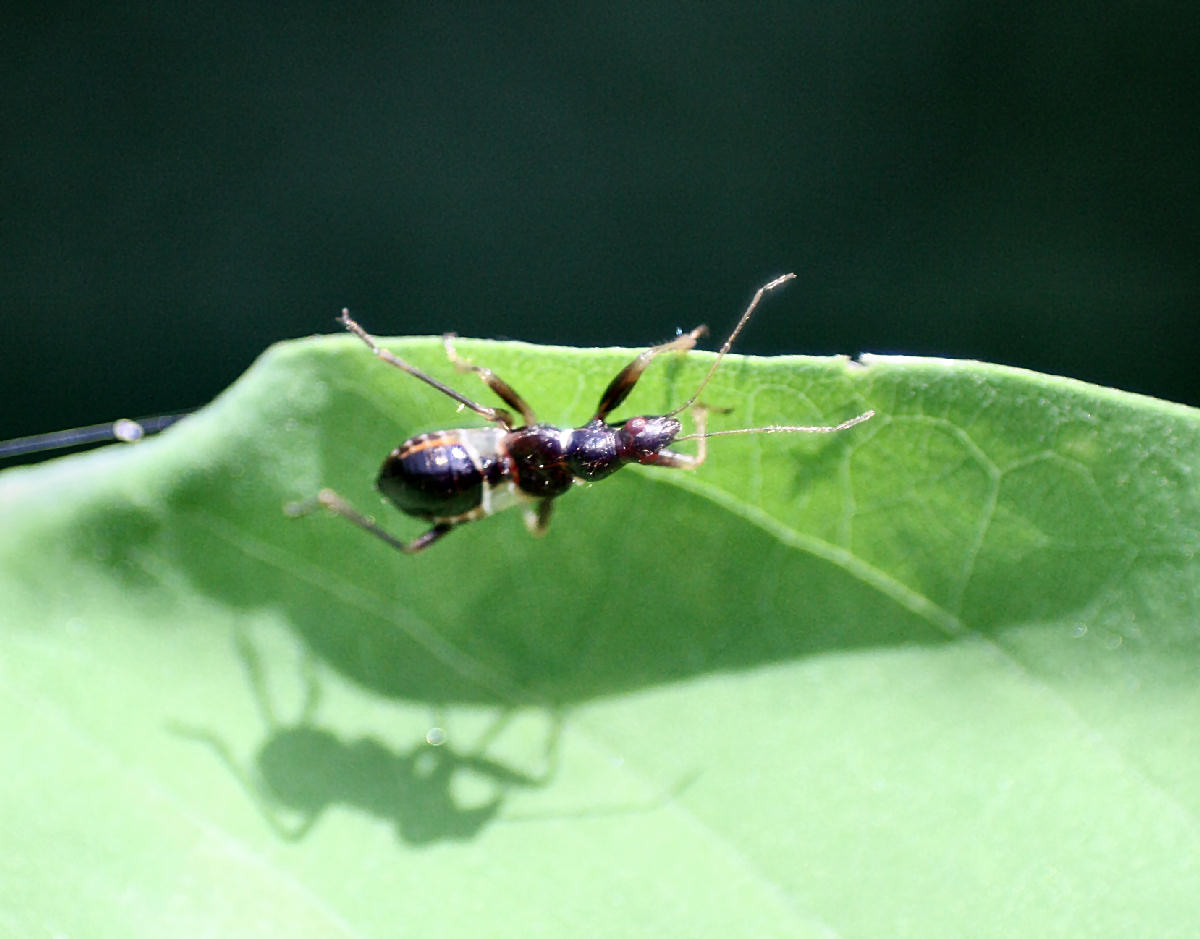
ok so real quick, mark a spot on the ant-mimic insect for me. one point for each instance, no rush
(451, 477)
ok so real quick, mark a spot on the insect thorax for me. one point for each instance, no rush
(593, 451)
(538, 460)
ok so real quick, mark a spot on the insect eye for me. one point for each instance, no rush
(635, 425)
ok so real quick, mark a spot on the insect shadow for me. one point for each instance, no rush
(301, 769)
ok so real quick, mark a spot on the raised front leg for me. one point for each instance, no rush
(618, 389)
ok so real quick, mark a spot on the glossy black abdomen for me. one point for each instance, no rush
(432, 476)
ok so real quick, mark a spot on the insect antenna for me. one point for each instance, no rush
(729, 342)
(785, 428)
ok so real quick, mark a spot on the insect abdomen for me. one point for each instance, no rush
(434, 476)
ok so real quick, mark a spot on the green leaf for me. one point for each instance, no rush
(936, 675)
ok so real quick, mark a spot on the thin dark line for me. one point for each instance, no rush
(124, 429)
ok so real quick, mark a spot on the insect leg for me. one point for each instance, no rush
(618, 389)
(499, 415)
(330, 500)
(537, 518)
(502, 388)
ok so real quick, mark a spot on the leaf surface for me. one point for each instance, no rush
(936, 675)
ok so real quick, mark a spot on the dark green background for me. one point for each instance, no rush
(187, 183)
